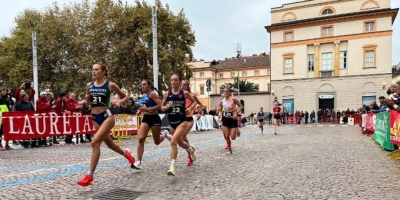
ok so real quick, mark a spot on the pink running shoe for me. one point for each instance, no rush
(129, 157)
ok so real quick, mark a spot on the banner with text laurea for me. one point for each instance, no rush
(395, 127)
(26, 125)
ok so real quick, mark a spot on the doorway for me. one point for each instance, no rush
(326, 101)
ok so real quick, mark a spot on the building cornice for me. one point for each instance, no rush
(332, 39)
(339, 77)
(329, 19)
(281, 9)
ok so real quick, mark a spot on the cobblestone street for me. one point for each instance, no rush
(301, 162)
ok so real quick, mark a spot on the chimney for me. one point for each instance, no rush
(254, 54)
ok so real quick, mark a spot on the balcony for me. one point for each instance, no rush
(326, 73)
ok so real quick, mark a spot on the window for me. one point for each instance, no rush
(327, 12)
(288, 36)
(310, 62)
(343, 59)
(221, 75)
(326, 31)
(369, 56)
(201, 74)
(288, 65)
(256, 73)
(233, 74)
(369, 26)
(368, 98)
(326, 62)
(257, 87)
(201, 89)
(244, 74)
(369, 59)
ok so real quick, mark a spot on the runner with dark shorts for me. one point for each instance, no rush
(260, 116)
(277, 111)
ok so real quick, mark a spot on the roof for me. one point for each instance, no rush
(234, 63)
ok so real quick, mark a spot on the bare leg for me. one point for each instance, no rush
(144, 129)
(188, 128)
(102, 132)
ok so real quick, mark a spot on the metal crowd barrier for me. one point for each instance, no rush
(127, 127)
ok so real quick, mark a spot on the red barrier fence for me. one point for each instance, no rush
(325, 119)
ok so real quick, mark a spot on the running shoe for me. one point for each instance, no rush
(167, 135)
(171, 171)
(86, 181)
(193, 154)
(230, 152)
(129, 157)
(190, 162)
(137, 165)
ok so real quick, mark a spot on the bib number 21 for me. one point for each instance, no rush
(96, 99)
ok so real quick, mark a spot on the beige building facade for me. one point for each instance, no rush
(255, 69)
(331, 54)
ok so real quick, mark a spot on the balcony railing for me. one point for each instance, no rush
(326, 73)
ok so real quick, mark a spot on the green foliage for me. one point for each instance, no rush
(244, 85)
(71, 38)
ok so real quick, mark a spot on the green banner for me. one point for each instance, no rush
(382, 130)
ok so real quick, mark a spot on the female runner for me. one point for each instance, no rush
(148, 105)
(229, 117)
(98, 94)
(260, 116)
(175, 107)
(189, 117)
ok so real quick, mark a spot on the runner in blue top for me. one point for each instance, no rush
(149, 104)
(174, 104)
(260, 116)
(97, 96)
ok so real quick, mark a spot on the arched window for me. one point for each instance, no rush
(327, 12)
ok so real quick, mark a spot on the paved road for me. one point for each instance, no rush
(301, 162)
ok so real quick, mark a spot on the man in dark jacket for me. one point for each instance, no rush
(5, 99)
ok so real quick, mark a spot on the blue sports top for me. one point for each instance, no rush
(99, 96)
(260, 114)
(146, 100)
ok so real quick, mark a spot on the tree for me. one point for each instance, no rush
(244, 85)
(73, 37)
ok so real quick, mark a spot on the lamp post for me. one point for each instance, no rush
(383, 85)
(239, 51)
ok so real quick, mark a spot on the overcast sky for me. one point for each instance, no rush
(218, 24)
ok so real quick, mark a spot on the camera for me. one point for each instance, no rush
(28, 85)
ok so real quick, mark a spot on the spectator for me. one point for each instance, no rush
(25, 105)
(20, 91)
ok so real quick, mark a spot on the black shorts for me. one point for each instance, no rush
(152, 120)
(175, 121)
(277, 117)
(261, 120)
(189, 119)
(229, 122)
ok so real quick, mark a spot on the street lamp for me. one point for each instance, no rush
(383, 85)
(239, 51)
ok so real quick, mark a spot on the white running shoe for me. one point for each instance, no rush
(137, 165)
(167, 135)
(193, 154)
